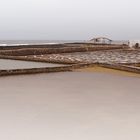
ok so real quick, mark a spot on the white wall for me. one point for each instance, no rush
(133, 42)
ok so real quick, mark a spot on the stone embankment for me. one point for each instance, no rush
(118, 57)
(107, 57)
(34, 70)
(68, 68)
(57, 50)
(43, 70)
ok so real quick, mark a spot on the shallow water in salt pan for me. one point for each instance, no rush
(17, 64)
(70, 106)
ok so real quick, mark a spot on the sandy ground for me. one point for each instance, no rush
(95, 69)
(70, 106)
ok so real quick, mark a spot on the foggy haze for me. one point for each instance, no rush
(69, 19)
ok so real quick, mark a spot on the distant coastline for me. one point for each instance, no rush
(34, 42)
(4, 43)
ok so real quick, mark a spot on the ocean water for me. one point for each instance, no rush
(36, 42)
(32, 42)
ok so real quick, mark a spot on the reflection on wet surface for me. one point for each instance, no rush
(70, 106)
(17, 64)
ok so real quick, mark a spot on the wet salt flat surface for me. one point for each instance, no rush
(99, 56)
(70, 106)
(16, 64)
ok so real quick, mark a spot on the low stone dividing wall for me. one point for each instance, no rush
(68, 68)
(22, 58)
(42, 70)
(34, 70)
(133, 64)
(61, 45)
(40, 51)
(16, 47)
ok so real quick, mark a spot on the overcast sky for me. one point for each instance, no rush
(69, 19)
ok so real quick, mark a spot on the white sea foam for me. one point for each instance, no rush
(13, 44)
(28, 44)
(34, 42)
(3, 44)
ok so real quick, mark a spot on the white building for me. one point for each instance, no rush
(101, 40)
(134, 43)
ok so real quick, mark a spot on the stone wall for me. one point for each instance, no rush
(42, 70)
(68, 68)
(39, 51)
